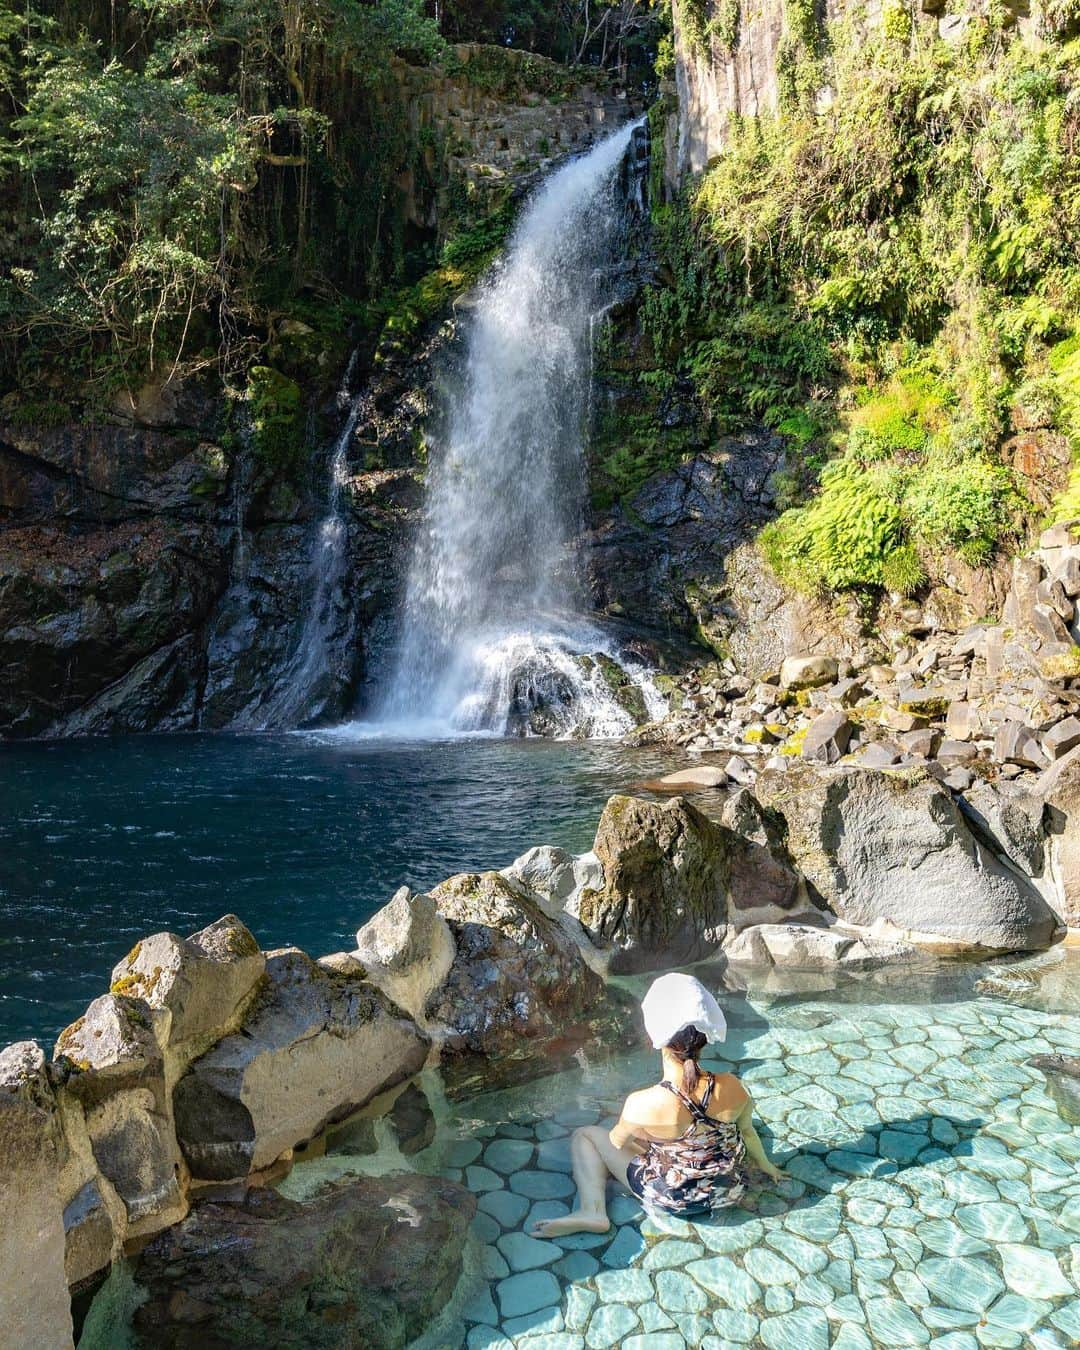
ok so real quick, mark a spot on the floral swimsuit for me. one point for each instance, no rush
(704, 1169)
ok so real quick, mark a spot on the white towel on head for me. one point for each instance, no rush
(676, 1001)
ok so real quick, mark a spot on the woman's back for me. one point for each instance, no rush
(694, 1159)
(662, 1114)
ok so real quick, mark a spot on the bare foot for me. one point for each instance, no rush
(572, 1223)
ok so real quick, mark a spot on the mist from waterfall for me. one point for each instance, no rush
(494, 630)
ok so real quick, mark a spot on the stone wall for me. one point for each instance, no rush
(491, 139)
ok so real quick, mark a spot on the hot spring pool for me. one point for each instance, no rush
(932, 1197)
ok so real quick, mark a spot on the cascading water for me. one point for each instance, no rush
(302, 688)
(494, 631)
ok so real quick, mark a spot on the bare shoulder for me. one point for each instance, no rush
(728, 1091)
(643, 1105)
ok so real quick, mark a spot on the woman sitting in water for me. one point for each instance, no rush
(681, 1146)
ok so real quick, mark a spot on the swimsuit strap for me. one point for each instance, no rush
(695, 1108)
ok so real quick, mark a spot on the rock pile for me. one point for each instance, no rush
(996, 701)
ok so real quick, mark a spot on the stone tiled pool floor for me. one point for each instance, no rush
(932, 1196)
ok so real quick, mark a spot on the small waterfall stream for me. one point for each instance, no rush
(301, 688)
(495, 631)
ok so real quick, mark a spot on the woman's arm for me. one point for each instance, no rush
(755, 1150)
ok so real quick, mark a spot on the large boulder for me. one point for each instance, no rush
(313, 1048)
(673, 882)
(518, 975)
(1059, 789)
(35, 1308)
(204, 981)
(367, 1262)
(407, 949)
(114, 1060)
(896, 846)
(1013, 819)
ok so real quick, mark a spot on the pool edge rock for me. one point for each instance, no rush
(368, 1261)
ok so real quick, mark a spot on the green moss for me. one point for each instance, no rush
(933, 708)
(275, 407)
(1062, 666)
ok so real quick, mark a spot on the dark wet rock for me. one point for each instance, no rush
(412, 1120)
(678, 554)
(367, 1262)
(673, 882)
(96, 634)
(314, 1048)
(1062, 1082)
(517, 975)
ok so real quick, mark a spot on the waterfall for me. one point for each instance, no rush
(495, 633)
(308, 678)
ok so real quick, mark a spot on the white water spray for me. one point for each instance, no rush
(495, 635)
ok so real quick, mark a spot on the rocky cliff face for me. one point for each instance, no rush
(156, 572)
(732, 60)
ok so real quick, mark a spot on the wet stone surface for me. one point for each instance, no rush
(932, 1196)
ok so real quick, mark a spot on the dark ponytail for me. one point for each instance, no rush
(686, 1045)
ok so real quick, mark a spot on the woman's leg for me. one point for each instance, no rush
(594, 1158)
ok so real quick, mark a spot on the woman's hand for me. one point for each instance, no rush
(773, 1172)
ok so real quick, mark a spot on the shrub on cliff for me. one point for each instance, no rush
(912, 241)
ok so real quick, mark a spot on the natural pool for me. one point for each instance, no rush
(303, 836)
(932, 1196)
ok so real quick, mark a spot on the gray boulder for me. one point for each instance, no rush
(203, 981)
(315, 1047)
(407, 949)
(808, 672)
(675, 880)
(1011, 818)
(801, 946)
(115, 1061)
(827, 737)
(366, 1262)
(554, 877)
(1059, 789)
(896, 847)
(517, 976)
(35, 1308)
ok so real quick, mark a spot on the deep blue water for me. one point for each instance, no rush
(302, 836)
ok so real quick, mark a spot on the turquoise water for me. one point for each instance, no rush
(303, 836)
(932, 1196)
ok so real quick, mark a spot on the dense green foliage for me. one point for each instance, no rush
(175, 171)
(888, 279)
(179, 176)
